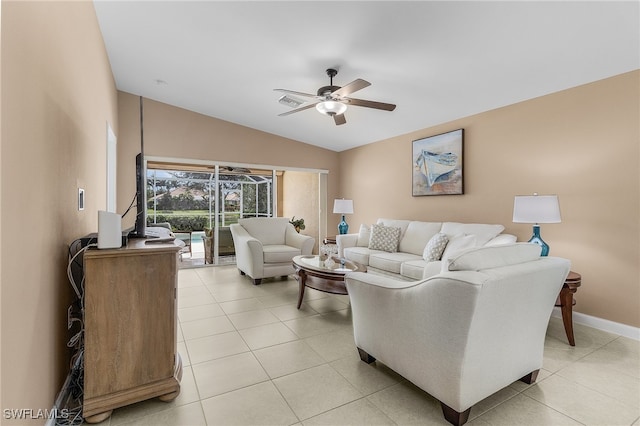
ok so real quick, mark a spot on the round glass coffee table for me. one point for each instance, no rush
(322, 275)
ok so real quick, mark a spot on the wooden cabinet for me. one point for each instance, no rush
(130, 324)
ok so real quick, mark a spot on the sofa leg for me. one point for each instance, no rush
(454, 417)
(241, 272)
(530, 378)
(257, 281)
(365, 356)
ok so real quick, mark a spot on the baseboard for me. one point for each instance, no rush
(602, 324)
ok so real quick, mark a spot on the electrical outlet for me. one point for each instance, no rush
(80, 199)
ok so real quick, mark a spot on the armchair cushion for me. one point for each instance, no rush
(273, 233)
(278, 253)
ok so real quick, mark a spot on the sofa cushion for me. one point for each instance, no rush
(413, 269)
(384, 238)
(279, 253)
(364, 235)
(395, 223)
(479, 258)
(435, 247)
(269, 230)
(483, 232)
(417, 235)
(390, 262)
(359, 254)
(457, 244)
(502, 239)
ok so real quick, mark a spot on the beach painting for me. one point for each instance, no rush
(437, 164)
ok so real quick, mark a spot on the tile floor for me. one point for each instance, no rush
(251, 358)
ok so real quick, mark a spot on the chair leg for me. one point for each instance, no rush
(454, 417)
(257, 281)
(365, 356)
(530, 378)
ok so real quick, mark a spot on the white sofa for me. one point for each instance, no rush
(465, 333)
(409, 260)
(265, 246)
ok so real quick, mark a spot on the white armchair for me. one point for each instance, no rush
(265, 246)
(465, 333)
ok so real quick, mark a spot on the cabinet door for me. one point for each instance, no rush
(130, 320)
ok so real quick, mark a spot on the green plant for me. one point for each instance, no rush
(298, 224)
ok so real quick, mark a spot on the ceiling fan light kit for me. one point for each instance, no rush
(332, 100)
(331, 108)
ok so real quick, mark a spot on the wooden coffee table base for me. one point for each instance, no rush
(319, 281)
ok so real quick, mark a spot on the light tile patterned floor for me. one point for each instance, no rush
(251, 358)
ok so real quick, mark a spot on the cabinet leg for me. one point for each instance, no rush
(169, 397)
(97, 418)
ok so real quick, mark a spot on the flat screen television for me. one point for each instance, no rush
(140, 228)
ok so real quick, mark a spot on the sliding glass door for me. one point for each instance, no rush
(201, 202)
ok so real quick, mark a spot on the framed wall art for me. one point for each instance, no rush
(437, 164)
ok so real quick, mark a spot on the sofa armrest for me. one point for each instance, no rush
(303, 242)
(345, 240)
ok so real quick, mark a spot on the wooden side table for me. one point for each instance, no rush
(566, 302)
(329, 240)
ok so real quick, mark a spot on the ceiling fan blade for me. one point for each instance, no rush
(309, 95)
(339, 119)
(354, 86)
(298, 109)
(370, 104)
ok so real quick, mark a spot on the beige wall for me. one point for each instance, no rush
(582, 144)
(57, 96)
(301, 199)
(177, 133)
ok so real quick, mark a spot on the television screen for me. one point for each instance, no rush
(140, 228)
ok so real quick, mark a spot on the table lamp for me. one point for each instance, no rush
(536, 209)
(343, 207)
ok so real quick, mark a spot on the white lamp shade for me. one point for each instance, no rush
(331, 108)
(343, 206)
(536, 209)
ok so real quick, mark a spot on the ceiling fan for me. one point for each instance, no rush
(333, 100)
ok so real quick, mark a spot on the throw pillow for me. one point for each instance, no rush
(384, 238)
(435, 247)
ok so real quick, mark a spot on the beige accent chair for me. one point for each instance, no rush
(465, 333)
(265, 246)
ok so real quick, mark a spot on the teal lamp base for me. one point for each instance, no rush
(536, 239)
(343, 228)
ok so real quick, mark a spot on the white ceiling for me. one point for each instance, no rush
(438, 61)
